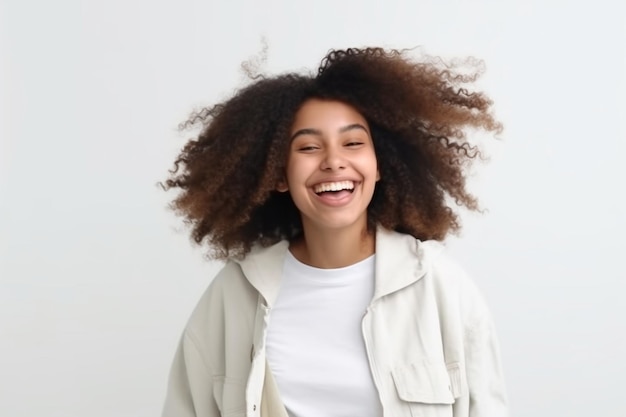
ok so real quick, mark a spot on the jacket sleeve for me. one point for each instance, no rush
(190, 386)
(487, 393)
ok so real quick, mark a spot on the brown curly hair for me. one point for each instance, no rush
(419, 113)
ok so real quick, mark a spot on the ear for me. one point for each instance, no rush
(377, 175)
(281, 186)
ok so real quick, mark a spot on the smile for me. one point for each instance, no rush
(333, 187)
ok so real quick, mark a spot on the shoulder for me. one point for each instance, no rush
(451, 282)
(228, 296)
(230, 278)
(235, 290)
(436, 258)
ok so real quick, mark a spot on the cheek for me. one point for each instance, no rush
(289, 170)
(369, 164)
(291, 174)
(298, 170)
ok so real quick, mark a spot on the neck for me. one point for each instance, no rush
(334, 248)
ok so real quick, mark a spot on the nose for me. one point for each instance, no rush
(333, 160)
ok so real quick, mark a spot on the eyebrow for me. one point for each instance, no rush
(317, 132)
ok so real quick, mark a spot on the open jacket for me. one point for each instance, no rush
(428, 334)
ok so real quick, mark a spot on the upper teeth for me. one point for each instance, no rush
(334, 186)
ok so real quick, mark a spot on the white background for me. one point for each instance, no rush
(98, 277)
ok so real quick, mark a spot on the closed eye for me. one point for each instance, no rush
(307, 148)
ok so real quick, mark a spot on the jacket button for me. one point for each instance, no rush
(254, 407)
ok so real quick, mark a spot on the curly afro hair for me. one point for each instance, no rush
(419, 114)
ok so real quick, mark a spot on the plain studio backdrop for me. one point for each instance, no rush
(98, 277)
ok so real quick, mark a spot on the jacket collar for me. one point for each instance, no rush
(263, 267)
(399, 263)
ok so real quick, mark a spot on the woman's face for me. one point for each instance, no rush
(331, 167)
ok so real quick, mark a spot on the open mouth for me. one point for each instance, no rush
(338, 187)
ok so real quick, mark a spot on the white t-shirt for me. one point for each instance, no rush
(315, 346)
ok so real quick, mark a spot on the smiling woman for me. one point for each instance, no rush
(326, 195)
(330, 174)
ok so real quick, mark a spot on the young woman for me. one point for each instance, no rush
(327, 194)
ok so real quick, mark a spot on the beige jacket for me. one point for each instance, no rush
(429, 337)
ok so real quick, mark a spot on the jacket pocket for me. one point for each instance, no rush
(424, 389)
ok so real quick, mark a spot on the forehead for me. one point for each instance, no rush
(329, 114)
